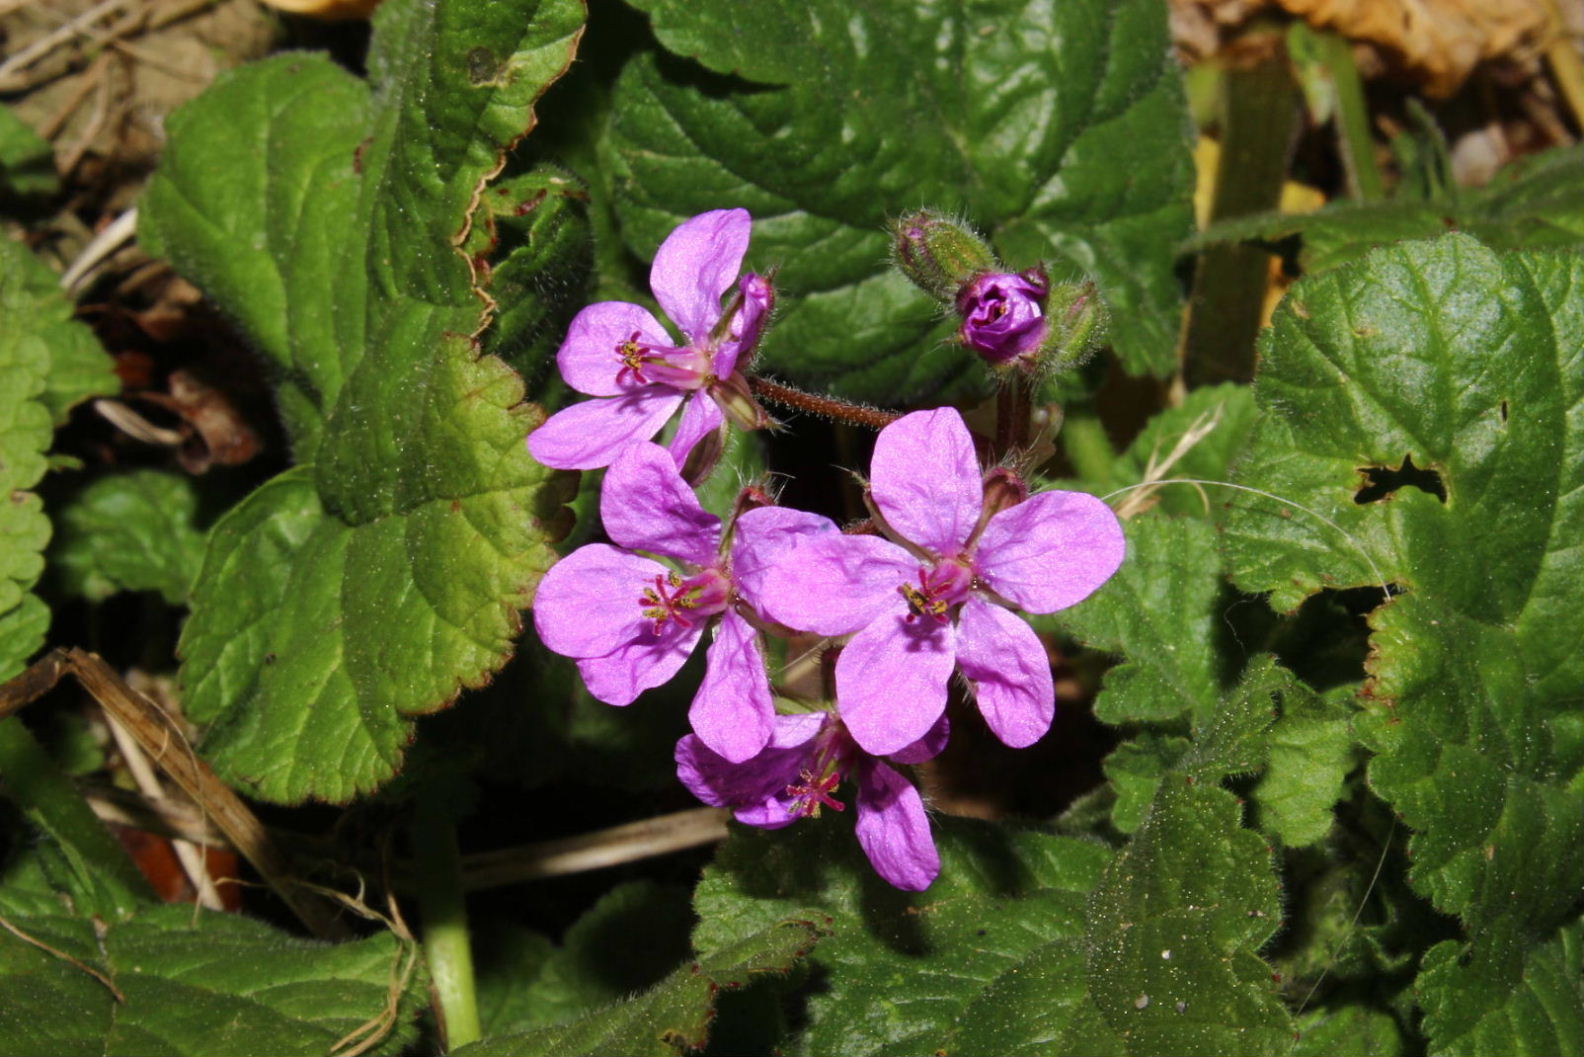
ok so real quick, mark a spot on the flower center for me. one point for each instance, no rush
(647, 364)
(939, 588)
(684, 601)
(812, 793)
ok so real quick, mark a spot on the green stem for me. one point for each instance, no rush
(1259, 119)
(1352, 118)
(50, 801)
(1087, 446)
(447, 943)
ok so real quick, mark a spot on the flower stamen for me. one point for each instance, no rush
(939, 589)
(813, 793)
(671, 597)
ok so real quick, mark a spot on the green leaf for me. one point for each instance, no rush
(674, 1017)
(385, 573)
(920, 973)
(80, 858)
(1020, 115)
(49, 362)
(130, 532)
(36, 310)
(533, 235)
(1175, 923)
(1028, 943)
(1135, 769)
(1159, 611)
(1465, 361)
(1535, 203)
(196, 983)
(1544, 1013)
(619, 947)
(1312, 749)
(1350, 1030)
(27, 163)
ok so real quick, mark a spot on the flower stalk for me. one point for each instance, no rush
(446, 940)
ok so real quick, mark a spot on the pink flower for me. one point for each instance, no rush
(798, 773)
(940, 597)
(620, 354)
(631, 621)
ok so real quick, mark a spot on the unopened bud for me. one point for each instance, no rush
(737, 401)
(1003, 488)
(1077, 318)
(745, 317)
(751, 497)
(940, 255)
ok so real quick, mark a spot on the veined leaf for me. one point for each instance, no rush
(1159, 612)
(131, 532)
(375, 580)
(939, 970)
(620, 946)
(672, 1018)
(196, 984)
(48, 362)
(1021, 114)
(1467, 363)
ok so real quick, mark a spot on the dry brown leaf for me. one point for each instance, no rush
(1439, 42)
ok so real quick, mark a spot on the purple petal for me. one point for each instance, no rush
(1003, 315)
(646, 506)
(891, 682)
(1010, 673)
(758, 298)
(833, 584)
(733, 712)
(588, 603)
(620, 676)
(700, 417)
(591, 434)
(1051, 551)
(766, 536)
(925, 479)
(755, 787)
(931, 745)
(894, 830)
(590, 359)
(696, 264)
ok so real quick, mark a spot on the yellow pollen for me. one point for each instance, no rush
(921, 604)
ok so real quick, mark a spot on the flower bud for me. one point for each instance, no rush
(939, 255)
(737, 401)
(1077, 318)
(1004, 315)
(1003, 488)
(751, 497)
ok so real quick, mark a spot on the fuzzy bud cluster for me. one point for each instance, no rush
(1009, 318)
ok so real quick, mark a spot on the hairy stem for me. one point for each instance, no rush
(830, 407)
(1014, 406)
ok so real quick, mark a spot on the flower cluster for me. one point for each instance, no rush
(932, 586)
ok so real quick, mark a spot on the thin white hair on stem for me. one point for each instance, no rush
(1375, 571)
